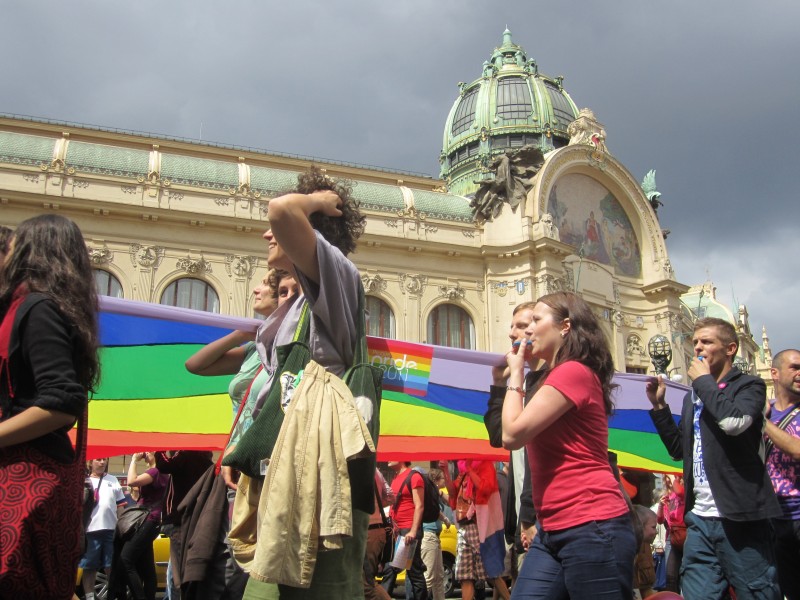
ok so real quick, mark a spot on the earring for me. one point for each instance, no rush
(563, 334)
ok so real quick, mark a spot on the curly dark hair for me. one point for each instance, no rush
(274, 278)
(342, 232)
(585, 342)
(51, 258)
(5, 238)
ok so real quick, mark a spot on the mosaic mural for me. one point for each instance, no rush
(591, 219)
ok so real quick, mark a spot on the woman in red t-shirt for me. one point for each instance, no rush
(585, 545)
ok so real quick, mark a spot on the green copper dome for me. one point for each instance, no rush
(511, 105)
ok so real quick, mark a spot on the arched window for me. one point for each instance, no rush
(107, 284)
(191, 293)
(380, 318)
(450, 325)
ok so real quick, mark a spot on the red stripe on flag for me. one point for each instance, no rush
(396, 447)
(102, 443)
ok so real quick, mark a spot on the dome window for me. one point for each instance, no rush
(513, 98)
(465, 113)
(562, 109)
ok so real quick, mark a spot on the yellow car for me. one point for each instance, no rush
(448, 539)
(160, 556)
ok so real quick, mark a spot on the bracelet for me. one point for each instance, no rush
(515, 389)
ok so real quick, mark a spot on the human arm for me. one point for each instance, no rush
(289, 220)
(417, 497)
(58, 397)
(661, 415)
(523, 424)
(783, 440)
(386, 492)
(452, 490)
(32, 423)
(493, 417)
(734, 410)
(527, 510)
(221, 357)
(135, 480)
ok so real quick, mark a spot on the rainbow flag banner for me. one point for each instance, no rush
(406, 367)
(433, 401)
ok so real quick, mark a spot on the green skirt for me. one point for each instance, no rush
(337, 574)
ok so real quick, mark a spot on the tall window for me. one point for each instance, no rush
(107, 284)
(380, 318)
(450, 325)
(465, 113)
(513, 98)
(191, 293)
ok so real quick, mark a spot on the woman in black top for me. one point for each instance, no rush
(48, 364)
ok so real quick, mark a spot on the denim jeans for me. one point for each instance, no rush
(719, 553)
(592, 560)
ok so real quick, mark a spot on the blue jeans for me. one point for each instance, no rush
(592, 560)
(719, 553)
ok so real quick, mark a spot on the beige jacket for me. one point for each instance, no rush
(305, 504)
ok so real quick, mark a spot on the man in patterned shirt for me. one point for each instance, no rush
(783, 463)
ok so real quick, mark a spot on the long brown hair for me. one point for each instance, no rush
(49, 256)
(585, 342)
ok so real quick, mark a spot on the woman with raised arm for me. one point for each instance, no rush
(48, 365)
(585, 544)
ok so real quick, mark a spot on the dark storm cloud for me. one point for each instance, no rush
(706, 93)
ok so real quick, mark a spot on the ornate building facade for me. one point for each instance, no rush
(180, 222)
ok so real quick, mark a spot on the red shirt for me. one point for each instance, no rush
(403, 508)
(571, 478)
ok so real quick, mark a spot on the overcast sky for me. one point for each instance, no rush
(705, 92)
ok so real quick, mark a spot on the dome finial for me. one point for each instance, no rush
(507, 37)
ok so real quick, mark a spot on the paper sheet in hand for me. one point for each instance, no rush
(403, 554)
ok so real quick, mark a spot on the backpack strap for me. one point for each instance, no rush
(378, 501)
(406, 483)
(784, 423)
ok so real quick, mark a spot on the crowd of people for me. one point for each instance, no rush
(296, 506)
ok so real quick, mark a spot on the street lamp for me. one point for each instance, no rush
(660, 353)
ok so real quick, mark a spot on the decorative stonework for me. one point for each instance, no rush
(222, 201)
(666, 266)
(620, 318)
(153, 182)
(194, 266)
(128, 189)
(79, 183)
(146, 256)
(100, 256)
(452, 292)
(413, 284)
(668, 322)
(548, 284)
(633, 346)
(587, 131)
(411, 213)
(31, 178)
(615, 291)
(391, 223)
(240, 266)
(418, 226)
(373, 284)
(468, 233)
(174, 195)
(569, 277)
(545, 227)
(501, 288)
